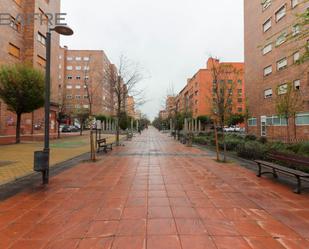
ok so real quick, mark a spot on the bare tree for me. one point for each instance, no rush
(125, 84)
(289, 102)
(224, 78)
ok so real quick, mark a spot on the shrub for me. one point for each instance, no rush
(304, 149)
(250, 137)
(263, 140)
(276, 146)
(231, 143)
(251, 150)
(200, 140)
(294, 147)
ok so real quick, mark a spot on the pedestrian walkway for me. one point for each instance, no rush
(155, 193)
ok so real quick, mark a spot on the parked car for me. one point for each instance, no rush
(74, 128)
(66, 128)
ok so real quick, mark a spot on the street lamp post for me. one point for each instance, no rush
(42, 158)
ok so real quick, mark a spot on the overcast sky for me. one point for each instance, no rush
(171, 39)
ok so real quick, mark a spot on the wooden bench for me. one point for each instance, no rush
(300, 175)
(103, 144)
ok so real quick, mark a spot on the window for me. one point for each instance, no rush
(239, 109)
(252, 122)
(78, 58)
(86, 106)
(78, 68)
(279, 121)
(282, 89)
(77, 87)
(86, 68)
(296, 84)
(302, 119)
(239, 81)
(280, 13)
(41, 61)
(60, 66)
(295, 30)
(296, 57)
(282, 64)
(69, 58)
(41, 39)
(267, 49)
(69, 87)
(69, 77)
(266, 4)
(69, 68)
(281, 39)
(86, 78)
(239, 91)
(14, 50)
(269, 120)
(85, 96)
(60, 57)
(78, 77)
(268, 93)
(69, 97)
(77, 106)
(267, 25)
(239, 100)
(294, 3)
(77, 96)
(268, 70)
(15, 24)
(86, 58)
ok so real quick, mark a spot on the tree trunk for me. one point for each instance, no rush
(18, 121)
(224, 144)
(117, 132)
(81, 129)
(58, 122)
(295, 128)
(288, 130)
(217, 142)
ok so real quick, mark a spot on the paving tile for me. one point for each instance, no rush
(190, 227)
(159, 212)
(223, 228)
(249, 228)
(96, 243)
(163, 242)
(184, 212)
(131, 242)
(158, 202)
(134, 213)
(29, 244)
(109, 214)
(132, 227)
(263, 242)
(197, 242)
(161, 227)
(210, 214)
(64, 243)
(102, 229)
(225, 242)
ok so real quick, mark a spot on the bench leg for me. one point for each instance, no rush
(275, 173)
(260, 170)
(298, 189)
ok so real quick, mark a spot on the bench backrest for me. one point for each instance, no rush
(295, 160)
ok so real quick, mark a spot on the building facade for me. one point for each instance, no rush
(86, 82)
(196, 98)
(272, 52)
(26, 44)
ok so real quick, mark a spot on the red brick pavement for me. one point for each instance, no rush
(156, 194)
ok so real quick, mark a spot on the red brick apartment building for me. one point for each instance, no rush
(86, 81)
(197, 96)
(27, 44)
(271, 61)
